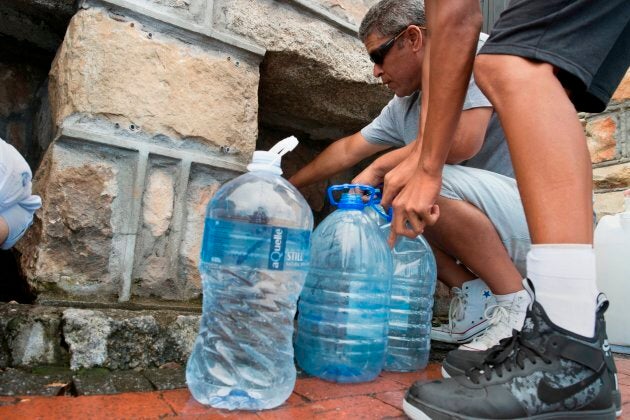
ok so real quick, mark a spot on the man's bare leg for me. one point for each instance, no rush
(554, 175)
(547, 144)
(466, 233)
(448, 271)
(470, 297)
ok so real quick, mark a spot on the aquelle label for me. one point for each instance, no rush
(227, 242)
(278, 245)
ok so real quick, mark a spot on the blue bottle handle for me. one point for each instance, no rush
(367, 188)
(378, 194)
(387, 216)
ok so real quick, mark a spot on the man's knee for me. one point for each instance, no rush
(498, 75)
(450, 211)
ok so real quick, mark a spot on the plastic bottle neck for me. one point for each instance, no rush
(350, 201)
(266, 162)
(269, 161)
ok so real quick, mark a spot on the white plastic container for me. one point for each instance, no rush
(612, 250)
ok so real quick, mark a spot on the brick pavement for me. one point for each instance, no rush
(312, 398)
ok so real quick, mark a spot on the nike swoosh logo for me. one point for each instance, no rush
(551, 395)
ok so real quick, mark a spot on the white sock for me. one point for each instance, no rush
(518, 302)
(504, 299)
(563, 276)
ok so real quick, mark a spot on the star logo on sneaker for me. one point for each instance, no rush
(486, 293)
(551, 394)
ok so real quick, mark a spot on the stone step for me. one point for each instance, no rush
(36, 335)
(55, 380)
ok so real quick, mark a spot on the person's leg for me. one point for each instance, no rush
(449, 271)
(553, 170)
(470, 297)
(467, 233)
(577, 377)
(547, 144)
(483, 226)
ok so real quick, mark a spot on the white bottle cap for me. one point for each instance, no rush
(269, 161)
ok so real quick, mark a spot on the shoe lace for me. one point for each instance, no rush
(509, 354)
(496, 315)
(456, 309)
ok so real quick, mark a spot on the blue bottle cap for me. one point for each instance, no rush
(351, 201)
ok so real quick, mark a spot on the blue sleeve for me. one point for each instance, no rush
(19, 218)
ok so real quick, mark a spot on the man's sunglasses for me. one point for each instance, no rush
(377, 56)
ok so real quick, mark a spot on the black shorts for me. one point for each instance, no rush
(587, 41)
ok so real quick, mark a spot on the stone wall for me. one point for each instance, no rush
(153, 105)
(608, 136)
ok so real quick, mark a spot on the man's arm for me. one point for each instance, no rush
(469, 135)
(454, 27)
(337, 157)
(375, 172)
(468, 140)
(454, 31)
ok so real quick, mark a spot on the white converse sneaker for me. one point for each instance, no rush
(503, 318)
(466, 313)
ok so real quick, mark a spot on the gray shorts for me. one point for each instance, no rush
(498, 198)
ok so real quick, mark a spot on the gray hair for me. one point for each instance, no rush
(390, 17)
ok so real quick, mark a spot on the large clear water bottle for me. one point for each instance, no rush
(612, 257)
(344, 307)
(254, 259)
(411, 300)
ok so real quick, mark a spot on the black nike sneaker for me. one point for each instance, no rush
(457, 362)
(542, 372)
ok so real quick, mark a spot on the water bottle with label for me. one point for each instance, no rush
(344, 307)
(411, 300)
(254, 259)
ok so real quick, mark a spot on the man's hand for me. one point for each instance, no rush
(397, 178)
(414, 207)
(369, 176)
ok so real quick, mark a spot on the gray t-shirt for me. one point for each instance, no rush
(397, 126)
